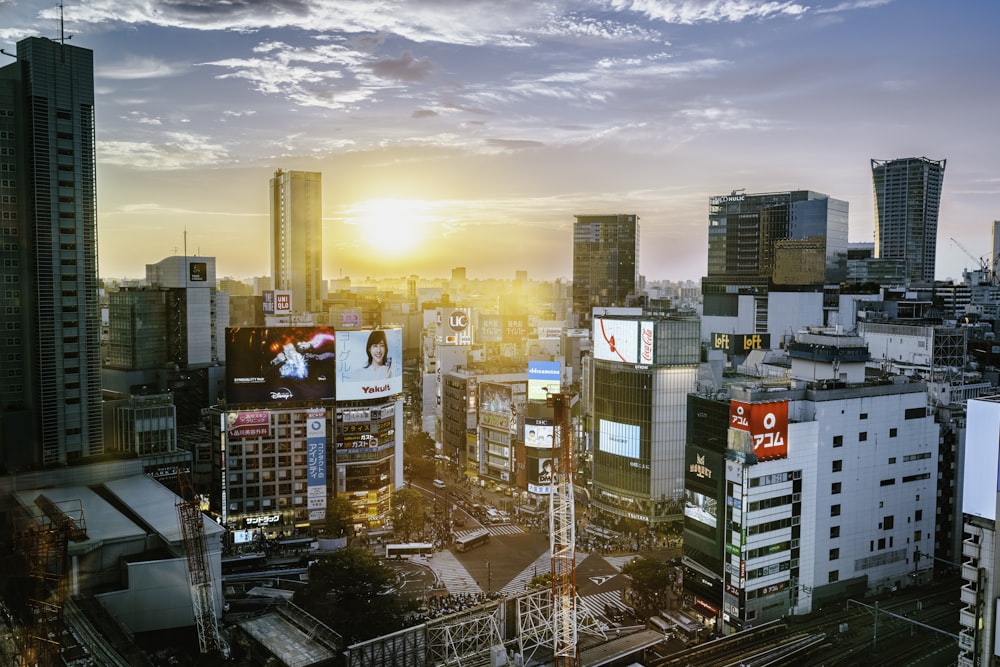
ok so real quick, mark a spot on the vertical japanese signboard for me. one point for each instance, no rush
(316, 463)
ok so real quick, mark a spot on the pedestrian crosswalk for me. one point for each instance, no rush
(595, 603)
(452, 574)
(618, 562)
(505, 529)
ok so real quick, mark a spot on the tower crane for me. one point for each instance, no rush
(193, 532)
(562, 538)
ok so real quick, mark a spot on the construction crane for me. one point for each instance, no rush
(42, 533)
(199, 571)
(562, 538)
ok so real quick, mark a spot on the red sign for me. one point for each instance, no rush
(767, 424)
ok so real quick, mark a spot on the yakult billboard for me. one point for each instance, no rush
(369, 363)
(766, 425)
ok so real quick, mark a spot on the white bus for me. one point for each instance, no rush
(409, 549)
(472, 540)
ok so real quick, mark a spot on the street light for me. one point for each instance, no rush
(489, 578)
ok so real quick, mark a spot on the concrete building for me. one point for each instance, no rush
(907, 202)
(297, 237)
(50, 354)
(809, 488)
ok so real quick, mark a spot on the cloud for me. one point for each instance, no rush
(141, 118)
(514, 144)
(424, 113)
(135, 67)
(403, 68)
(710, 11)
(177, 150)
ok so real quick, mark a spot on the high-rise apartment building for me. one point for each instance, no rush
(907, 201)
(605, 261)
(297, 237)
(50, 363)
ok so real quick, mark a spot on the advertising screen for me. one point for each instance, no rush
(538, 433)
(700, 508)
(620, 439)
(540, 474)
(543, 379)
(248, 424)
(197, 272)
(316, 462)
(369, 363)
(495, 407)
(279, 364)
(767, 424)
(616, 340)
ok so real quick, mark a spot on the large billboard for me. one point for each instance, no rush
(982, 459)
(316, 464)
(762, 427)
(538, 433)
(369, 363)
(256, 424)
(277, 302)
(279, 364)
(540, 472)
(616, 340)
(543, 379)
(496, 405)
(617, 438)
(455, 326)
(740, 343)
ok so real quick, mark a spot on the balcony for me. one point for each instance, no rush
(966, 641)
(970, 572)
(971, 549)
(967, 617)
(968, 595)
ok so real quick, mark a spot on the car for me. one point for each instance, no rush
(439, 484)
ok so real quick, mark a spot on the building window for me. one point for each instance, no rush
(864, 415)
(881, 543)
(834, 510)
(834, 554)
(916, 535)
(888, 522)
(918, 515)
(838, 441)
(863, 436)
(833, 576)
(893, 432)
(838, 465)
(835, 488)
(834, 531)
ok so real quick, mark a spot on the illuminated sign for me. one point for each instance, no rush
(255, 424)
(619, 439)
(279, 364)
(766, 424)
(198, 272)
(543, 379)
(616, 340)
(369, 363)
(740, 343)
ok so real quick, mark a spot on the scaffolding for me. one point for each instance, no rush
(562, 540)
(42, 533)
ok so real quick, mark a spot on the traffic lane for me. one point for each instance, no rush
(507, 555)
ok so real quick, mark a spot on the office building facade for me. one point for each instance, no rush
(50, 350)
(297, 237)
(907, 202)
(642, 371)
(605, 262)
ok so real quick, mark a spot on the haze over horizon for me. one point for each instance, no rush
(471, 135)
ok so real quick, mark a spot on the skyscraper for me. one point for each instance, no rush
(907, 201)
(50, 394)
(297, 237)
(605, 261)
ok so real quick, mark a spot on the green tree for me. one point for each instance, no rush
(407, 512)
(418, 455)
(651, 580)
(354, 592)
(339, 517)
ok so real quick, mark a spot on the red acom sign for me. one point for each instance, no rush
(767, 424)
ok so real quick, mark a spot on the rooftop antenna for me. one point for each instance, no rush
(62, 26)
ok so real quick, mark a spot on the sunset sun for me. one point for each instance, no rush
(392, 226)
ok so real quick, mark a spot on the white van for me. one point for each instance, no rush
(439, 484)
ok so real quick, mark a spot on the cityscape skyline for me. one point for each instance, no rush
(481, 130)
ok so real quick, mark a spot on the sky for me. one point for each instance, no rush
(468, 133)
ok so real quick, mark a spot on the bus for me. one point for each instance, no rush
(472, 540)
(409, 549)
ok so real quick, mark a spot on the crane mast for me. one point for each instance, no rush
(193, 532)
(562, 538)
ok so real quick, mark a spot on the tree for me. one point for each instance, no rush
(418, 455)
(407, 512)
(354, 592)
(651, 580)
(339, 517)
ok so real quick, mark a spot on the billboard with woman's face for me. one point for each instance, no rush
(369, 363)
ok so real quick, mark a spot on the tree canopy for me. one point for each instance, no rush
(354, 592)
(407, 512)
(651, 581)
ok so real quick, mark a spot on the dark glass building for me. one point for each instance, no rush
(50, 353)
(907, 201)
(605, 261)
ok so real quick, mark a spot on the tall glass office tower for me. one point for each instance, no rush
(297, 237)
(605, 261)
(50, 363)
(907, 201)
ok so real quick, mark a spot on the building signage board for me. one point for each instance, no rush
(766, 424)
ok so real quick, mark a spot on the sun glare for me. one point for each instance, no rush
(392, 226)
